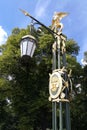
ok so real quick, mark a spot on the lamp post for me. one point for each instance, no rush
(59, 79)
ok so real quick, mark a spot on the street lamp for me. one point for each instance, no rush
(27, 45)
(59, 79)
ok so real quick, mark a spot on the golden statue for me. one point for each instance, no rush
(56, 25)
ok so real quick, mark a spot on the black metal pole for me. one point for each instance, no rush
(27, 14)
(60, 117)
(67, 107)
(68, 122)
(60, 103)
(54, 117)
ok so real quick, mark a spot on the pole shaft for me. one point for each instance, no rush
(58, 43)
(60, 103)
(68, 122)
(51, 31)
(54, 117)
(67, 107)
(60, 117)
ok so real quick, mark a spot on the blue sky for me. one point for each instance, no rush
(75, 24)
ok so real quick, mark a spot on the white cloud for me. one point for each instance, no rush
(41, 7)
(3, 36)
(83, 48)
(83, 62)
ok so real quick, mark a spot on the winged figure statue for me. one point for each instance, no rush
(56, 24)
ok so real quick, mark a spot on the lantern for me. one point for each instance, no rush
(27, 45)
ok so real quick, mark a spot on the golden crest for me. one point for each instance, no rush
(55, 84)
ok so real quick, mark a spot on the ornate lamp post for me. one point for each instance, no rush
(59, 82)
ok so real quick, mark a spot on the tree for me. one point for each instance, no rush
(21, 82)
(78, 111)
(25, 83)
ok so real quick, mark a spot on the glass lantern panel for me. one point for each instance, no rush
(24, 45)
(33, 49)
(29, 48)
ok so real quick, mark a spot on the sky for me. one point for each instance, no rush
(75, 24)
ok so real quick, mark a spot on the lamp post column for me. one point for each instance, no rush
(54, 117)
(60, 103)
(67, 107)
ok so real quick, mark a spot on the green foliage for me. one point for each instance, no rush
(72, 47)
(25, 83)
